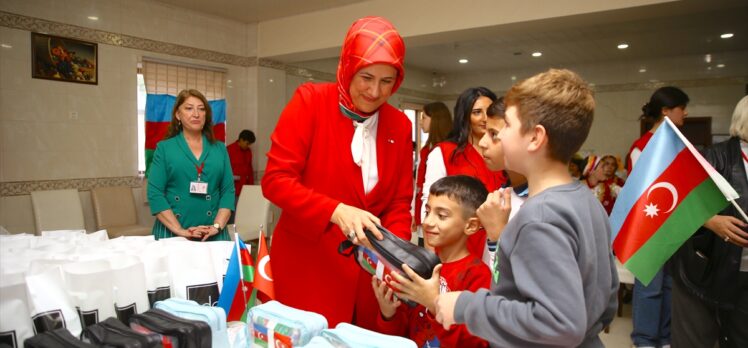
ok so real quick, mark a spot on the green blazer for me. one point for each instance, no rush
(173, 168)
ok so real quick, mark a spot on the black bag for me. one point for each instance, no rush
(56, 338)
(183, 333)
(113, 333)
(396, 251)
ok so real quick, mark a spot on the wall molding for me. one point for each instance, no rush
(20, 188)
(32, 24)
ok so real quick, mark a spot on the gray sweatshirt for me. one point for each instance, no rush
(557, 281)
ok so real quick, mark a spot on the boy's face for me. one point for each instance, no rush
(514, 144)
(444, 223)
(490, 144)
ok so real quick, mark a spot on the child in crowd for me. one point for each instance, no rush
(556, 283)
(604, 182)
(501, 205)
(449, 220)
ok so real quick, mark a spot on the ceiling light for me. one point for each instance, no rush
(463, 61)
(514, 78)
(727, 35)
(6, 46)
(623, 46)
(537, 54)
(93, 18)
(720, 66)
(642, 70)
(708, 58)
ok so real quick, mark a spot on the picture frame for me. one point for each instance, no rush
(64, 59)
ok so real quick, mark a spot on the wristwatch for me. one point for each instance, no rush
(218, 227)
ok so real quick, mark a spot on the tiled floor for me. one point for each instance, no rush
(620, 330)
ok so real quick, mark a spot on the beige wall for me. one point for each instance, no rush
(52, 130)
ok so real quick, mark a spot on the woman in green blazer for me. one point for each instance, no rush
(190, 184)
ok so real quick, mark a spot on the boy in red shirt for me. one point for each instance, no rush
(450, 219)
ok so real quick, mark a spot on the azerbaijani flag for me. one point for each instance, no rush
(263, 280)
(237, 285)
(158, 108)
(670, 193)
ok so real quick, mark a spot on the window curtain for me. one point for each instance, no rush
(163, 81)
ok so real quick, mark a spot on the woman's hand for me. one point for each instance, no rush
(388, 303)
(203, 232)
(494, 212)
(729, 229)
(352, 221)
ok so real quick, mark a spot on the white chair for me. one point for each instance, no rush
(57, 210)
(252, 210)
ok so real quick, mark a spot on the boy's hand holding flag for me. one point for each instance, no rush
(670, 193)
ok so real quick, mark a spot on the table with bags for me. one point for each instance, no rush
(70, 288)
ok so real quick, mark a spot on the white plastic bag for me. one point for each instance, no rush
(50, 307)
(192, 272)
(128, 279)
(15, 321)
(89, 286)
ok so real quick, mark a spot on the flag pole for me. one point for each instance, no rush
(742, 213)
(239, 258)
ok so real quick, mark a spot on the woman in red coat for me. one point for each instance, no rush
(340, 161)
(459, 154)
(436, 120)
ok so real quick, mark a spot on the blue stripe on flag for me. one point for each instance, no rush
(219, 110)
(158, 107)
(656, 157)
(231, 281)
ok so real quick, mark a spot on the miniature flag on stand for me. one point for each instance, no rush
(263, 278)
(670, 193)
(237, 286)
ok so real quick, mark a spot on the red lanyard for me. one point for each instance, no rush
(745, 158)
(200, 170)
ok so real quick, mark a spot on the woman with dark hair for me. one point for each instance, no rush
(460, 154)
(651, 303)
(436, 121)
(710, 278)
(190, 184)
(339, 163)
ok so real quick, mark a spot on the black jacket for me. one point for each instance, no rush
(708, 266)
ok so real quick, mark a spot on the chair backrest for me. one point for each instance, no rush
(113, 206)
(57, 210)
(252, 210)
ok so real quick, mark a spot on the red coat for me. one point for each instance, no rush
(310, 170)
(471, 163)
(241, 165)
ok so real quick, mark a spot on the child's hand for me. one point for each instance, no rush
(445, 308)
(494, 212)
(388, 303)
(422, 291)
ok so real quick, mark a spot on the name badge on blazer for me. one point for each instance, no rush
(199, 187)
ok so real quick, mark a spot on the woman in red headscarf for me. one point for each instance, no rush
(340, 161)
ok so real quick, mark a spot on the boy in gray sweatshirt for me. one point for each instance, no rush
(555, 281)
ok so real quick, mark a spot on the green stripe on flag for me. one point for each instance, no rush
(249, 273)
(703, 202)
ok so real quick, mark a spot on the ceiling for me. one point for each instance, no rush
(249, 11)
(669, 41)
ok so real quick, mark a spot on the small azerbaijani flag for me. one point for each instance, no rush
(263, 279)
(234, 298)
(670, 193)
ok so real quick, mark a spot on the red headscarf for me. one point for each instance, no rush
(370, 40)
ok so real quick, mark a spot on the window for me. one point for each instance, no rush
(141, 123)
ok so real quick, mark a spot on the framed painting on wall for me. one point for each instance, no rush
(63, 59)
